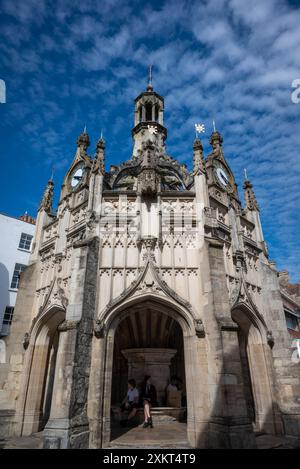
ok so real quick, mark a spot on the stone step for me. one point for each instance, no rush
(166, 435)
(160, 415)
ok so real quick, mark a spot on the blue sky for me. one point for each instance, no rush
(69, 63)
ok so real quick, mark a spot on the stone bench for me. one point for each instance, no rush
(160, 415)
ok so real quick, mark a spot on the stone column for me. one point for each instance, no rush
(96, 393)
(68, 425)
(150, 361)
(230, 426)
(197, 388)
(58, 429)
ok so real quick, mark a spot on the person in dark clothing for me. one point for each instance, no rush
(149, 399)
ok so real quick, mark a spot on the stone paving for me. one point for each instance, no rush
(164, 436)
(168, 435)
(33, 441)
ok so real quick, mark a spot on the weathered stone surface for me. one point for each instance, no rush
(149, 256)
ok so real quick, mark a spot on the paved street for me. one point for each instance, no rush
(168, 436)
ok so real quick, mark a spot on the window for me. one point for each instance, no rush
(8, 315)
(291, 321)
(148, 112)
(25, 241)
(16, 276)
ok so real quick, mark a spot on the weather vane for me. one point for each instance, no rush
(199, 128)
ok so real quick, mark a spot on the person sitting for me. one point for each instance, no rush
(173, 385)
(148, 399)
(130, 403)
(174, 392)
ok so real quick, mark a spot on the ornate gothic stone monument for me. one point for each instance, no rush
(149, 266)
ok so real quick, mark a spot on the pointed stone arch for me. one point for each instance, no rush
(246, 315)
(149, 285)
(102, 361)
(34, 406)
(255, 352)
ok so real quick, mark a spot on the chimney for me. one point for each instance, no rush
(27, 218)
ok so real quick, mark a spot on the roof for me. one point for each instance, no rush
(23, 218)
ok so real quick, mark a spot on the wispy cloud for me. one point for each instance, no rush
(69, 63)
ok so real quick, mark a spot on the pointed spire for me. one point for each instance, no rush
(249, 196)
(101, 142)
(83, 140)
(150, 86)
(47, 199)
(199, 163)
(216, 141)
(99, 161)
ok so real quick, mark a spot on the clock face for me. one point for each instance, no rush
(77, 175)
(222, 175)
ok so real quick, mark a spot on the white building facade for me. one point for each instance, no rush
(15, 247)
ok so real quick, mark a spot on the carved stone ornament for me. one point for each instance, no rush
(99, 329)
(148, 181)
(250, 200)
(26, 340)
(159, 286)
(46, 202)
(270, 339)
(239, 260)
(91, 221)
(56, 295)
(199, 163)
(149, 244)
(98, 163)
(67, 325)
(199, 328)
(168, 173)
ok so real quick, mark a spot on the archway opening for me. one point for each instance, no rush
(246, 373)
(149, 341)
(256, 374)
(41, 374)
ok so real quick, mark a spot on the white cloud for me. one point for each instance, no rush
(231, 61)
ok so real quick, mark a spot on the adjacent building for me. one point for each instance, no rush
(16, 240)
(290, 294)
